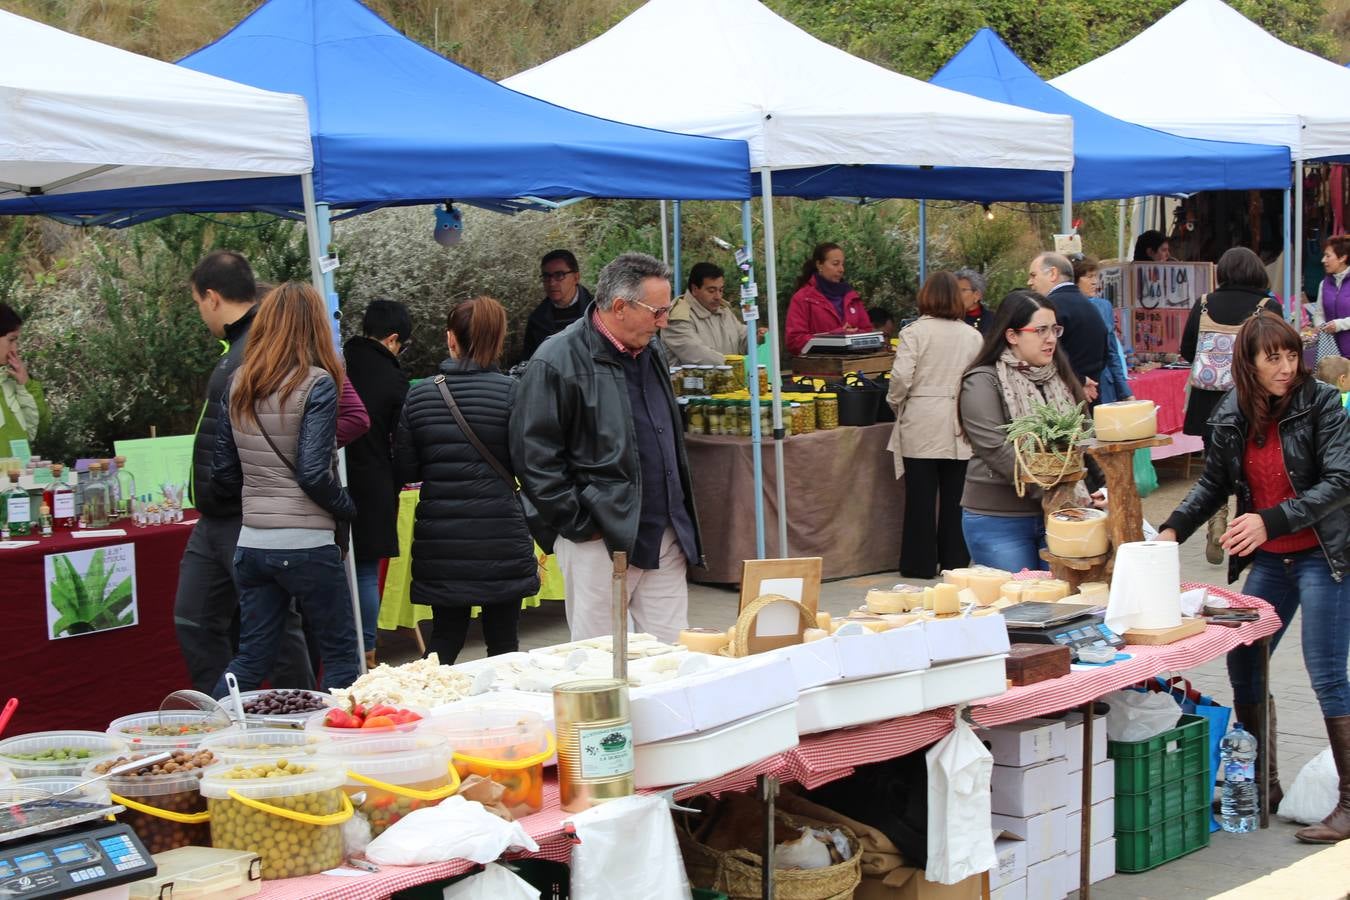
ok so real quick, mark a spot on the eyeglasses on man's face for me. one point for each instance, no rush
(557, 274)
(657, 312)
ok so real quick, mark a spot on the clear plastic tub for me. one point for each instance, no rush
(201, 873)
(49, 785)
(322, 703)
(256, 744)
(294, 822)
(509, 747)
(315, 724)
(166, 811)
(176, 729)
(45, 753)
(396, 774)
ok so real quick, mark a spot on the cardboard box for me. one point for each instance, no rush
(1016, 890)
(1044, 834)
(1028, 790)
(1102, 866)
(961, 638)
(1045, 880)
(1103, 825)
(701, 702)
(1012, 861)
(910, 884)
(848, 657)
(1025, 743)
(1103, 786)
(1073, 738)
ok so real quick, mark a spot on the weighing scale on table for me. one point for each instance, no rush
(67, 848)
(839, 342)
(1070, 624)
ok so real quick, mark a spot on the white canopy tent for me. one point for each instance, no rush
(796, 100)
(1249, 87)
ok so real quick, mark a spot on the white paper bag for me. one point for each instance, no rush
(960, 843)
(628, 849)
(495, 882)
(453, 829)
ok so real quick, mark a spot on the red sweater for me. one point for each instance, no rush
(1270, 486)
(810, 313)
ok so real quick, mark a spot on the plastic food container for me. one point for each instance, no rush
(262, 744)
(165, 811)
(293, 822)
(314, 724)
(201, 873)
(396, 774)
(320, 700)
(48, 785)
(169, 730)
(509, 747)
(45, 753)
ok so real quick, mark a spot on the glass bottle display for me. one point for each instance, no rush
(59, 497)
(125, 484)
(18, 508)
(97, 498)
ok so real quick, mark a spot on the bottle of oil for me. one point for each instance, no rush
(97, 498)
(60, 498)
(18, 508)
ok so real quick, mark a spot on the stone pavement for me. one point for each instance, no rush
(1229, 861)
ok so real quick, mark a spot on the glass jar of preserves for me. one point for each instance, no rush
(790, 416)
(763, 379)
(827, 411)
(743, 423)
(723, 379)
(693, 381)
(808, 402)
(698, 415)
(677, 380)
(683, 403)
(766, 417)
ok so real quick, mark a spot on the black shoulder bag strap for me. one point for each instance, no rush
(478, 445)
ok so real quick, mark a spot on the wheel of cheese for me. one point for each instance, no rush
(890, 602)
(1012, 590)
(703, 640)
(1046, 590)
(814, 634)
(957, 577)
(1076, 533)
(823, 621)
(1094, 591)
(1128, 420)
(987, 583)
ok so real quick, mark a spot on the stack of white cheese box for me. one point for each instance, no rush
(1037, 802)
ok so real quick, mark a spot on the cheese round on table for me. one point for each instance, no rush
(1045, 590)
(1094, 591)
(1012, 590)
(823, 621)
(1128, 420)
(956, 576)
(891, 602)
(703, 640)
(986, 582)
(928, 595)
(814, 634)
(946, 599)
(1076, 533)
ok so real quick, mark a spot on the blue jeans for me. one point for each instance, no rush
(1286, 583)
(267, 580)
(1004, 542)
(368, 590)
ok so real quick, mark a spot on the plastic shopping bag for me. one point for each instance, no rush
(1137, 716)
(1145, 476)
(960, 843)
(1315, 790)
(453, 829)
(1197, 704)
(493, 883)
(627, 848)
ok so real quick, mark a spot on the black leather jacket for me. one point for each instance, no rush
(573, 446)
(1315, 440)
(205, 496)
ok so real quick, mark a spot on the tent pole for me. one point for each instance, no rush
(679, 287)
(312, 234)
(1296, 292)
(752, 366)
(923, 242)
(1288, 256)
(1066, 210)
(775, 381)
(1120, 229)
(665, 235)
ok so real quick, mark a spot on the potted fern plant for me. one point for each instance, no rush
(1046, 441)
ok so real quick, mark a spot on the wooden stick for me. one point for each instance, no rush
(620, 623)
(1085, 822)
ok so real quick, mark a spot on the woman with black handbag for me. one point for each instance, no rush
(471, 546)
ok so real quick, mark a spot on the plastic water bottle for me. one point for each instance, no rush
(1239, 804)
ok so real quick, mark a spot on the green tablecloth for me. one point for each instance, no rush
(398, 611)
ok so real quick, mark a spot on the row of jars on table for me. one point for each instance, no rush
(733, 416)
(704, 381)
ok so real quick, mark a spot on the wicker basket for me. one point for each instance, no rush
(745, 622)
(737, 873)
(1043, 466)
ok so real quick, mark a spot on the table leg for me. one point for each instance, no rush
(1263, 734)
(768, 791)
(1085, 828)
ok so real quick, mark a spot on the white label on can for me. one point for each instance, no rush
(606, 752)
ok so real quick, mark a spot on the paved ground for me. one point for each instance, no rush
(1229, 861)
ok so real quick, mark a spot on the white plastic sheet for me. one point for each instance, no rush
(454, 829)
(960, 843)
(493, 883)
(1138, 716)
(628, 849)
(1314, 793)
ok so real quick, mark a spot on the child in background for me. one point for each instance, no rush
(1335, 371)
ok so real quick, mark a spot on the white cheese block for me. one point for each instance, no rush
(1076, 533)
(1094, 591)
(987, 583)
(882, 603)
(814, 634)
(823, 621)
(946, 599)
(1128, 420)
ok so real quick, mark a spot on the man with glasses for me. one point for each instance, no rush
(373, 369)
(597, 445)
(1084, 341)
(564, 299)
(703, 329)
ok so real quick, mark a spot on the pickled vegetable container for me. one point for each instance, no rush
(509, 747)
(289, 812)
(287, 708)
(45, 753)
(164, 805)
(396, 775)
(169, 730)
(262, 744)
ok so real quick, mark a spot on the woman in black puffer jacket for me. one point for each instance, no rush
(470, 543)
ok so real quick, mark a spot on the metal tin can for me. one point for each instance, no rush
(595, 742)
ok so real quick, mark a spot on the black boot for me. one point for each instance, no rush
(1249, 714)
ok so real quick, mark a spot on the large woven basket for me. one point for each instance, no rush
(737, 873)
(745, 622)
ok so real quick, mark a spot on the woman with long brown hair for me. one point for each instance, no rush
(277, 449)
(1280, 442)
(470, 546)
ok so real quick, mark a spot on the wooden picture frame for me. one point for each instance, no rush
(798, 579)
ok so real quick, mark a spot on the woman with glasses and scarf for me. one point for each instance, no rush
(823, 301)
(1020, 366)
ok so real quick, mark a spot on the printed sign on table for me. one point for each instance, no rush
(91, 590)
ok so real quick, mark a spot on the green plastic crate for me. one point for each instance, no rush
(1167, 801)
(1139, 851)
(702, 894)
(1162, 760)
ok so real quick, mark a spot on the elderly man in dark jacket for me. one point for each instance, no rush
(373, 369)
(597, 445)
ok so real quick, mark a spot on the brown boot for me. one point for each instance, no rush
(1335, 827)
(370, 660)
(1249, 714)
(1218, 524)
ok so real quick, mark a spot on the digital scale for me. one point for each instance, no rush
(838, 342)
(1069, 624)
(67, 848)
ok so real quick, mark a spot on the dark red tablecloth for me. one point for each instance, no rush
(88, 680)
(1167, 388)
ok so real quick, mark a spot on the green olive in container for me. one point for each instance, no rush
(264, 744)
(163, 801)
(289, 812)
(390, 777)
(175, 729)
(45, 753)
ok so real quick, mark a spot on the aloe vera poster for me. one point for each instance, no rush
(91, 590)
